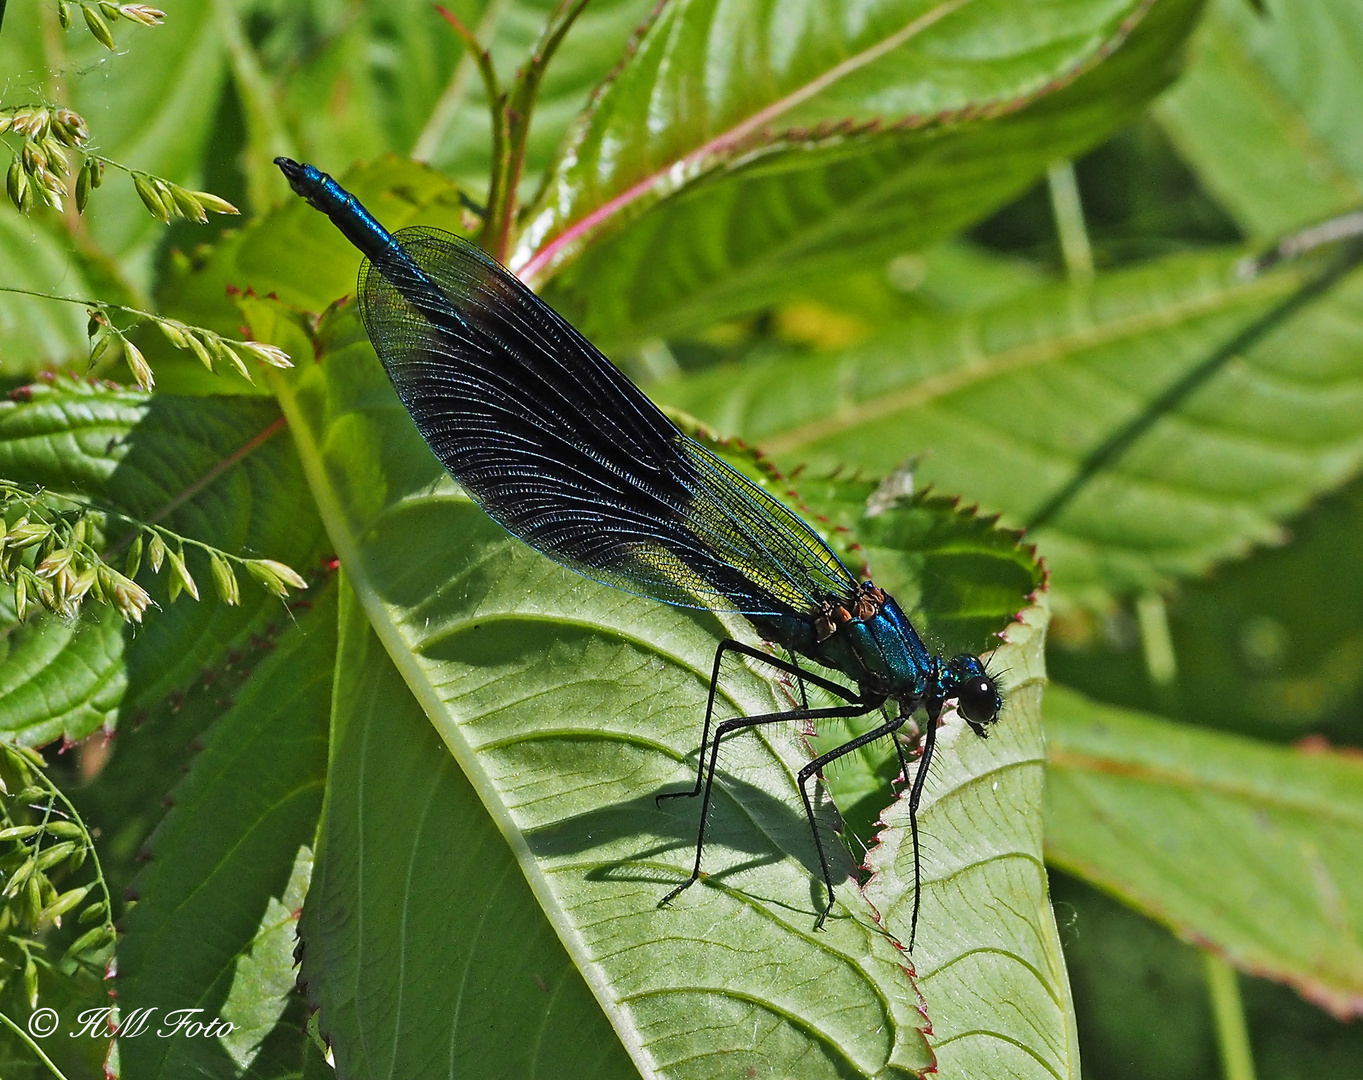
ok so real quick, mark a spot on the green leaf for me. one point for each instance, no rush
(151, 107)
(152, 753)
(569, 706)
(988, 959)
(1005, 404)
(216, 470)
(62, 678)
(1271, 646)
(419, 94)
(266, 978)
(751, 154)
(1130, 977)
(1263, 113)
(959, 578)
(1268, 646)
(228, 846)
(68, 436)
(416, 893)
(356, 83)
(1252, 849)
(38, 333)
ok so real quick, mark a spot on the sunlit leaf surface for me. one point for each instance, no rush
(748, 149)
(1264, 113)
(1250, 848)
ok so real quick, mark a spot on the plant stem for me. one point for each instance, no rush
(24, 1035)
(452, 100)
(1232, 1036)
(511, 113)
(1228, 1014)
(1331, 231)
(1157, 643)
(77, 300)
(1152, 615)
(520, 107)
(500, 193)
(1069, 221)
(266, 135)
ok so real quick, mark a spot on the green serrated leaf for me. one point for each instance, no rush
(229, 845)
(62, 677)
(382, 743)
(1253, 849)
(981, 856)
(960, 579)
(1270, 91)
(778, 152)
(499, 669)
(141, 453)
(266, 976)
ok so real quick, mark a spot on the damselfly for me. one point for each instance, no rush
(560, 448)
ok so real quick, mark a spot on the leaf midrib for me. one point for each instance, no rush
(389, 633)
(404, 658)
(729, 139)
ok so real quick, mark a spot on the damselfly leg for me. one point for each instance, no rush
(788, 666)
(705, 777)
(916, 794)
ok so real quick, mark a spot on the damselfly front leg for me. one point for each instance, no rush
(815, 768)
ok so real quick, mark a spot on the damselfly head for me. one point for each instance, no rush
(977, 697)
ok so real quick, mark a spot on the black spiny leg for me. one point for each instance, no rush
(788, 667)
(919, 778)
(815, 767)
(843, 712)
(899, 749)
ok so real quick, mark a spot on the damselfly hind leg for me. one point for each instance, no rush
(815, 768)
(706, 766)
(843, 712)
(915, 795)
(789, 667)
